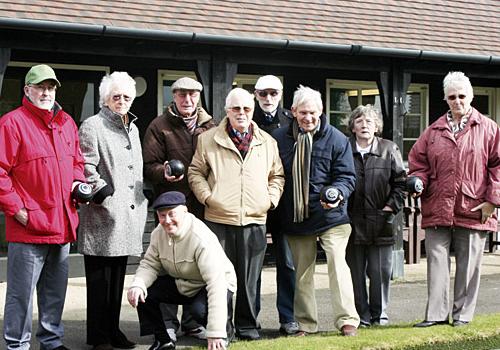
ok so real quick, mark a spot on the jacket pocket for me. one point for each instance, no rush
(387, 224)
(320, 166)
(44, 220)
(469, 198)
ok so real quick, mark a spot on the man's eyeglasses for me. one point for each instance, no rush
(454, 97)
(40, 87)
(264, 93)
(126, 98)
(237, 109)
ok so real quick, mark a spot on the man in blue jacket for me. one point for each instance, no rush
(316, 155)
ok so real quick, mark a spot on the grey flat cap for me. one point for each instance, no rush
(186, 83)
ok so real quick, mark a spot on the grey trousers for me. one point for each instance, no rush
(469, 247)
(375, 263)
(44, 266)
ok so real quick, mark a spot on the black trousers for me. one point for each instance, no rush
(245, 246)
(105, 277)
(164, 290)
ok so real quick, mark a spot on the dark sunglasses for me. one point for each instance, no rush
(454, 97)
(264, 93)
(118, 97)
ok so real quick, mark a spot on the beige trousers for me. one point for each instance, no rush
(334, 242)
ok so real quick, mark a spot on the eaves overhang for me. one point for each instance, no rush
(227, 40)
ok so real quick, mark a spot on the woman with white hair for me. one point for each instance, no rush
(377, 198)
(317, 156)
(112, 224)
(458, 160)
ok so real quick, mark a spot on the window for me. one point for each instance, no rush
(484, 101)
(343, 96)
(165, 80)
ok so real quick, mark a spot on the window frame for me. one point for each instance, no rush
(361, 85)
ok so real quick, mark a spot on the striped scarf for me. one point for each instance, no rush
(189, 121)
(301, 169)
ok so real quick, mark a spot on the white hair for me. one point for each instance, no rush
(305, 94)
(457, 80)
(115, 80)
(240, 93)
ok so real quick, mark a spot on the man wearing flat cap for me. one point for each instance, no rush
(174, 135)
(40, 164)
(198, 275)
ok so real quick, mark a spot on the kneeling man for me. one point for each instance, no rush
(198, 275)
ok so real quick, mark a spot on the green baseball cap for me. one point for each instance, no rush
(39, 73)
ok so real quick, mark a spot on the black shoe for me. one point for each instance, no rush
(61, 347)
(248, 334)
(458, 323)
(102, 347)
(289, 328)
(120, 341)
(157, 345)
(424, 324)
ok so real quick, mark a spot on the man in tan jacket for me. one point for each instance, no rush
(198, 275)
(237, 174)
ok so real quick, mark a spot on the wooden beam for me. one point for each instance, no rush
(223, 73)
(4, 61)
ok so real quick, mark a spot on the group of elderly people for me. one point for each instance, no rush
(261, 165)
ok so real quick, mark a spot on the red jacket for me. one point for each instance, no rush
(458, 174)
(39, 160)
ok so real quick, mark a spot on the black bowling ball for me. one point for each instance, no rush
(82, 193)
(414, 185)
(175, 168)
(329, 194)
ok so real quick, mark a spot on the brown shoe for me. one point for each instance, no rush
(348, 330)
(300, 334)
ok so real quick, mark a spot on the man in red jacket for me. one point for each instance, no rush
(40, 164)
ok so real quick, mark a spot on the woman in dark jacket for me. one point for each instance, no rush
(377, 198)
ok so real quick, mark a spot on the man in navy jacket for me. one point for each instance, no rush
(315, 155)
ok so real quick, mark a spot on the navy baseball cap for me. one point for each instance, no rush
(170, 199)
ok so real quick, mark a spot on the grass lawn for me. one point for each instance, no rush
(482, 333)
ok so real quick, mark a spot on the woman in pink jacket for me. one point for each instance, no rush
(458, 160)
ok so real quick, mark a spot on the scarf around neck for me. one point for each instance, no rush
(241, 140)
(301, 169)
(189, 121)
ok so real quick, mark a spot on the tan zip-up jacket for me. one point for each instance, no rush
(236, 191)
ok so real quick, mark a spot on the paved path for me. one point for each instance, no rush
(408, 298)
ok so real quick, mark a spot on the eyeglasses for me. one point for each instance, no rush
(126, 98)
(237, 109)
(264, 93)
(454, 97)
(40, 87)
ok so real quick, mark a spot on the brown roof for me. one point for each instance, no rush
(451, 26)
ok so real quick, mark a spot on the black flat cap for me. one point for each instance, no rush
(170, 199)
